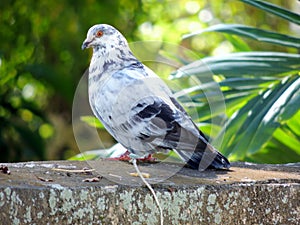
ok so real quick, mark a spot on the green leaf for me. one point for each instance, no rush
(238, 43)
(209, 129)
(242, 63)
(233, 128)
(114, 151)
(287, 138)
(88, 155)
(274, 152)
(294, 125)
(275, 107)
(237, 91)
(263, 117)
(274, 9)
(294, 106)
(92, 121)
(253, 33)
(282, 148)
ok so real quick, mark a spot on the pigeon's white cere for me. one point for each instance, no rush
(136, 106)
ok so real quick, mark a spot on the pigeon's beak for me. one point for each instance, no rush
(85, 44)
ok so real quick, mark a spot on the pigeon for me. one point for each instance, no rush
(137, 108)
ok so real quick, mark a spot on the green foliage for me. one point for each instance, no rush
(254, 33)
(274, 9)
(261, 92)
(41, 62)
(20, 113)
(92, 121)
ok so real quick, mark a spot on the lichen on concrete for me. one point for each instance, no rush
(269, 195)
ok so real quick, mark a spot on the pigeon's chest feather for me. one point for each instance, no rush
(112, 95)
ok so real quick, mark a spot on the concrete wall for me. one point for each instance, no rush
(34, 193)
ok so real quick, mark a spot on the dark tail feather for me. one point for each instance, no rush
(220, 162)
(205, 156)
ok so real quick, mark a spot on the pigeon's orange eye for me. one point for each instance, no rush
(99, 33)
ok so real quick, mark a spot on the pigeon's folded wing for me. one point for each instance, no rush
(162, 125)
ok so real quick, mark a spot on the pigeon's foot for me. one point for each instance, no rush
(126, 157)
(148, 159)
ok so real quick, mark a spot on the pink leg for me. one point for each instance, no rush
(126, 157)
(148, 159)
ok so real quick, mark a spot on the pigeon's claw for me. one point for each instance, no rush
(148, 159)
(126, 157)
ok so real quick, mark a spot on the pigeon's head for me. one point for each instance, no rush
(103, 36)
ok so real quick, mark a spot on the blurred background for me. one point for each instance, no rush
(41, 62)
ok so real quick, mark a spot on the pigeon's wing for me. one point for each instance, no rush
(162, 125)
(145, 119)
(179, 107)
(159, 123)
(166, 125)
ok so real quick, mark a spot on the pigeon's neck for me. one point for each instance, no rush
(109, 59)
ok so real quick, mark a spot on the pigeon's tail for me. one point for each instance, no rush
(205, 156)
(220, 162)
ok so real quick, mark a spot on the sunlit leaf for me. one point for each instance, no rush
(262, 118)
(92, 121)
(113, 152)
(238, 43)
(274, 9)
(286, 137)
(279, 104)
(209, 129)
(294, 125)
(253, 33)
(242, 63)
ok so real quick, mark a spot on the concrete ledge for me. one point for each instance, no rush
(34, 193)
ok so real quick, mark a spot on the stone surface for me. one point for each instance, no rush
(58, 192)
